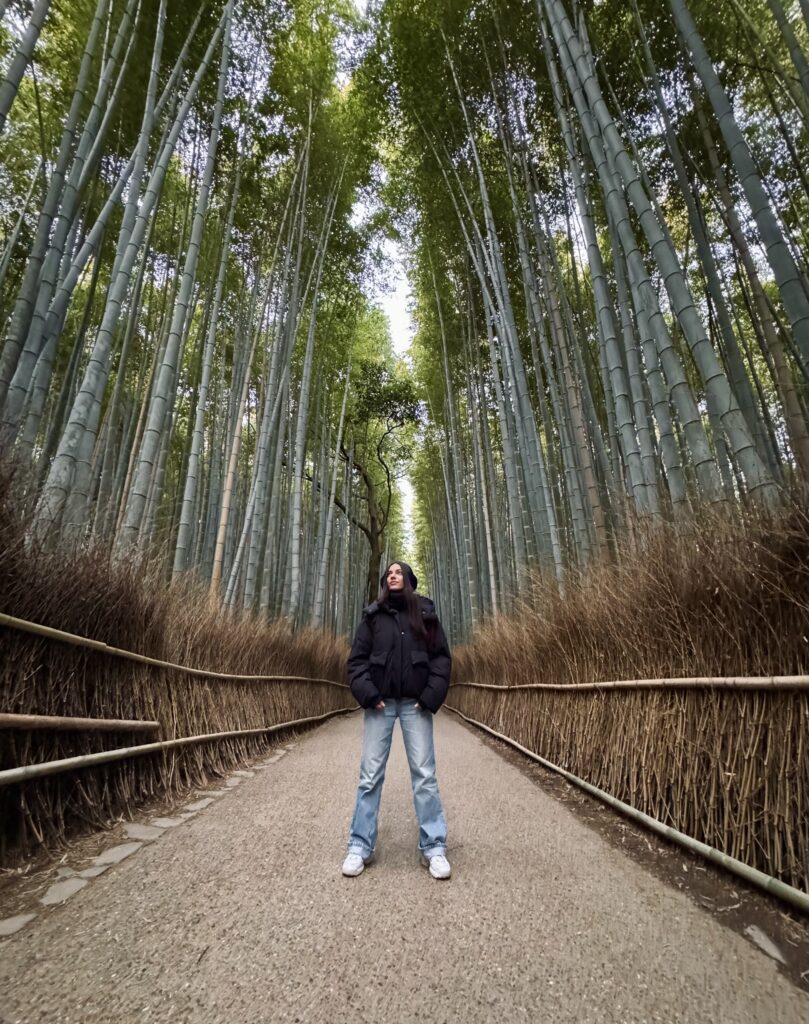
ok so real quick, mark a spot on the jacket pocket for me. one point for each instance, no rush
(376, 669)
(421, 669)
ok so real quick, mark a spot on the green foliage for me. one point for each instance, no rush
(405, 124)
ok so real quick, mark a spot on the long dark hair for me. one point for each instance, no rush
(417, 627)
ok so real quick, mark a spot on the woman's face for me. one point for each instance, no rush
(395, 578)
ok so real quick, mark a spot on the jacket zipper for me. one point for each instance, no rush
(401, 654)
(401, 659)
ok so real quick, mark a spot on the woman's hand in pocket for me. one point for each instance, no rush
(379, 706)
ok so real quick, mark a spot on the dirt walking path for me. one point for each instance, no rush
(241, 915)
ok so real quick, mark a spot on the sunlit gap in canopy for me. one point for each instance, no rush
(393, 298)
(388, 288)
(394, 302)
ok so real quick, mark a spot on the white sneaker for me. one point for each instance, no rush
(354, 864)
(438, 865)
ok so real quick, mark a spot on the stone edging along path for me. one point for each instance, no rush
(61, 881)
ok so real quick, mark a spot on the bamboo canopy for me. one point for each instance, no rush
(604, 239)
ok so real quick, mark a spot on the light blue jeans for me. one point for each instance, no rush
(417, 732)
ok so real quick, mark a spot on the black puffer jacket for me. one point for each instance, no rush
(386, 661)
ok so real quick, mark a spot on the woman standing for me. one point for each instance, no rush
(399, 668)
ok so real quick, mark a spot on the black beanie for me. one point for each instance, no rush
(406, 570)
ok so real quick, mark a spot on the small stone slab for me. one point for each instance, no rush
(93, 872)
(116, 854)
(66, 872)
(199, 805)
(62, 891)
(244, 775)
(13, 924)
(134, 830)
(166, 822)
(216, 792)
(277, 757)
(230, 783)
(764, 942)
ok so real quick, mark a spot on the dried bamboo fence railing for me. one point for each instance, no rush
(74, 724)
(208, 721)
(725, 761)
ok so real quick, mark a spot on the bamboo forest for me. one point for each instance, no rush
(435, 360)
(602, 211)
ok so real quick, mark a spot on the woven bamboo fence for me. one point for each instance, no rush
(40, 675)
(95, 594)
(727, 597)
(729, 767)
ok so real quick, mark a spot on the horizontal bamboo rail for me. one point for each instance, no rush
(65, 724)
(774, 886)
(98, 645)
(209, 721)
(37, 771)
(684, 683)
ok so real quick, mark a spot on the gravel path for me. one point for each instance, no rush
(241, 915)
